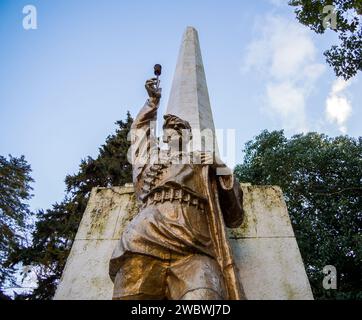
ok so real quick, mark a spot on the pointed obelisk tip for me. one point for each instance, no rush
(189, 97)
(190, 30)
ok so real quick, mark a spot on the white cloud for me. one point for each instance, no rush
(313, 71)
(288, 102)
(338, 107)
(285, 55)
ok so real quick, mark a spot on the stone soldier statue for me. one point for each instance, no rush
(176, 246)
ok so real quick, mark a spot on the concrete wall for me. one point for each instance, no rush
(85, 275)
(265, 250)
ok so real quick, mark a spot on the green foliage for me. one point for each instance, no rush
(56, 228)
(321, 178)
(14, 192)
(345, 58)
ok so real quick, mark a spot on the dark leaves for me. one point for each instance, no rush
(321, 178)
(346, 57)
(15, 190)
(56, 228)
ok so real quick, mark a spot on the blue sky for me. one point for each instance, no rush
(63, 85)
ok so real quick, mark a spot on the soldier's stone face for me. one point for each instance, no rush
(175, 137)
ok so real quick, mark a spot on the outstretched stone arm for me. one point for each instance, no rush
(149, 111)
(143, 139)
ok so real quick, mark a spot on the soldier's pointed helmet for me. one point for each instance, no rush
(182, 127)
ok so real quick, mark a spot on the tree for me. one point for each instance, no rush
(321, 180)
(15, 190)
(56, 228)
(345, 58)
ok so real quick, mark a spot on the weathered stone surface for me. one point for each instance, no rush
(85, 276)
(265, 249)
(103, 218)
(266, 214)
(271, 269)
(86, 273)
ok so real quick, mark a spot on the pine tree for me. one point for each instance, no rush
(56, 228)
(14, 211)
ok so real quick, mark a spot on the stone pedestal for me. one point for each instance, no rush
(265, 249)
(85, 275)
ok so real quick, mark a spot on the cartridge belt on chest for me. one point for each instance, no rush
(173, 194)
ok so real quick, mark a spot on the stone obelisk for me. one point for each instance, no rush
(189, 97)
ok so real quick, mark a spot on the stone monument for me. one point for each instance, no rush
(166, 236)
